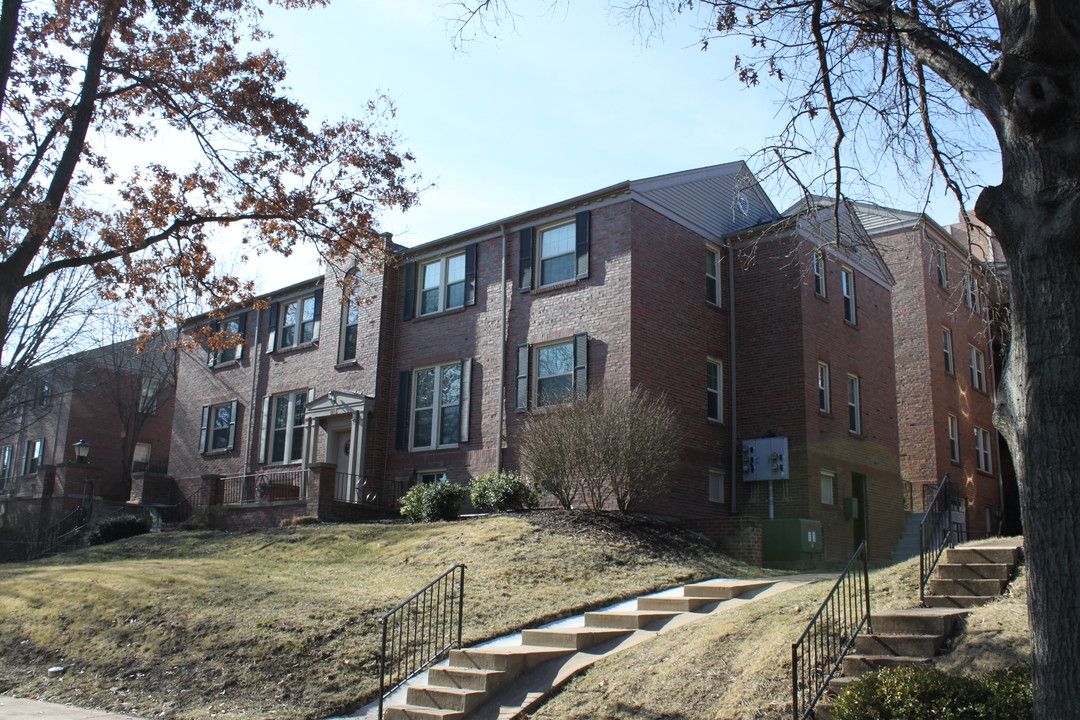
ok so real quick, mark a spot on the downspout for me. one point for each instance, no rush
(255, 355)
(502, 355)
(732, 358)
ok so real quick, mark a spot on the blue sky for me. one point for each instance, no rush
(563, 101)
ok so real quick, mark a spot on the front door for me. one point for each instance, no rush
(345, 486)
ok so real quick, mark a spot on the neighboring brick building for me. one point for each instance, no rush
(945, 363)
(634, 284)
(119, 401)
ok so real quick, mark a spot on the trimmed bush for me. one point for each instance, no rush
(429, 502)
(117, 527)
(502, 491)
(926, 693)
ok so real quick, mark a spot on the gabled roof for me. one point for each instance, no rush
(712, 201)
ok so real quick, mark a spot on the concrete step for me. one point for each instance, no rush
(920, 621)
(674, 604)
(626, 619)
(854, 665)
(576, 638)
(973, 571)
(982, 554)
(957, 601)
(724, 589)
(444, 698)
(840, 683)
(967, 586)
(415, 712)
(513, 659)
(468, 678)
(904, 645)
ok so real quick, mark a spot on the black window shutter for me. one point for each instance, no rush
(271, 327)
(402, 425)
(233, 407)
(409, 308)
(527, 237)
(211, 354)
(522, 378)
(464, 402)
(470, 274)
(581, 366)
(318, 315)
(203, 428)
(581, 224)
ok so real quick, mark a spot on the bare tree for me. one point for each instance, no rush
(931, 81)
(618, 443)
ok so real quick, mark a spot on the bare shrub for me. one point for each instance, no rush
(619, 443)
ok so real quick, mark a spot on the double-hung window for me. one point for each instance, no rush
(149, 393)
(828, 487)
(236, 325)
(218, 430)
(819, 273)
(7, 461)
(982, 450)
(436, 414)
(712, 276)
(824, 393)
(297, 322)
(971, 291)
(32, 453)
(977, 364)
(552, 373)
(954, 438)
(287, 427)
(847, 289)
(854, 402)
(717, 485)
(350, 329)
(941, 265)
(555, 253)
(714, 389)
(442, 284)
(946, 339)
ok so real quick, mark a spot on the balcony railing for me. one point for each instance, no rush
(264, 487)
(362, 490)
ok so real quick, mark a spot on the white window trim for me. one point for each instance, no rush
(443, 288)
(290, 428)
(535, 380)
(439, 474)
(950, 358)
(818, 271)
(436, 408)
(718, 391)
(539, 253)
(717, 478)
(33, 454)
(135, 454)
(941, 266)
(148, 399)
(848, 291)
(983, 459)
(977, 364)
(713, 258)
(236, 350)
(828, 480)
(971, 291)
(298, 325)
(7, 461)
(346, 306)
(954, 438)
(824, 384)
(854, 405)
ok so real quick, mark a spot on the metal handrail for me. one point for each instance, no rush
(829, 636)
(935, 534)
(421, 630)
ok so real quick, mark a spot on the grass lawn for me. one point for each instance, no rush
(737, 666)
(283, 623)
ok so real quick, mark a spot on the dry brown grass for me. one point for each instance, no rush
(282, 623)
(737, 666)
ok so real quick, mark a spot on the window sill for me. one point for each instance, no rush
(224, 365)
(856, 435)
(852, 325)
(296, 348)
(347, 365)
(825, 413)
(553, 287)
(440, 448)
(223, 451)
(715, 421)
(441, 313)
(985, 473)
(822, 298)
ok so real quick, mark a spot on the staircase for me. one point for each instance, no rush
(473, 675)
(967, 577)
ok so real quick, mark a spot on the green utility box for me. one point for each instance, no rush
(792, 543)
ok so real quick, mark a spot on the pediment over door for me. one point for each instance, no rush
(338, 402)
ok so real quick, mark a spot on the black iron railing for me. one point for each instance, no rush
(264, 487)
(936, 532)
(363, 490)
(421, 631)
(817, 654)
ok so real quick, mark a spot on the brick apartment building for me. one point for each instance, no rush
(759, 328)
(119, 402)
(945, 363)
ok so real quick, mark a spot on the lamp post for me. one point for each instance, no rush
(82, 451)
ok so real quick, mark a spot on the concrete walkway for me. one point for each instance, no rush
(18, 709)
